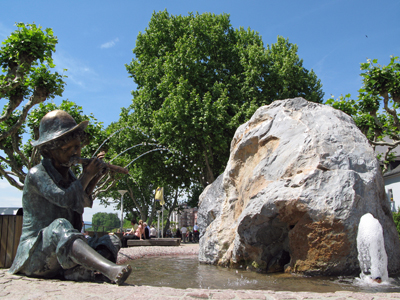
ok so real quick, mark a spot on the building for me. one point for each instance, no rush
(392, 187)
(392, 177)
(187, 217)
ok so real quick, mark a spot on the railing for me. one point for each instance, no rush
(10, 232)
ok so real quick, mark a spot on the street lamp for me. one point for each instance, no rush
(122, 192)
(158, 223)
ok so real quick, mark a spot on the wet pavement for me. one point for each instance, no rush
(21, 287)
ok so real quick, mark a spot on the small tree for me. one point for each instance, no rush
(26, 78)
(376, 110)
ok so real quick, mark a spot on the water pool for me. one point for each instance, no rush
(186, 272)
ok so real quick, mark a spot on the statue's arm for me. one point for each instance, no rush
(72, 197)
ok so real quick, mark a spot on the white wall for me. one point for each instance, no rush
(394, 184)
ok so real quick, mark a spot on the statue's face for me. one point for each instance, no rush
(62, 156)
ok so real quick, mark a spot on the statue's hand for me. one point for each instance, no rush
(89, 178)
(94, 167)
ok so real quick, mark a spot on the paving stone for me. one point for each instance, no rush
(223, 295)
(20, 287)
(249, 295)
(198, 295)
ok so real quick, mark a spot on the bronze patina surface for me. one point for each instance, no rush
(51, 244)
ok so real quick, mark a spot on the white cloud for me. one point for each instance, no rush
(77, 71)
(110, 43)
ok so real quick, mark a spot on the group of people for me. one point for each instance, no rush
(140, 231)
(187, 236)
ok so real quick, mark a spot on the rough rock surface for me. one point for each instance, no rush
(299, 177)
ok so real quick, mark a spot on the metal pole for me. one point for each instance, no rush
(122, 192)
(158, 223)
(162, 221)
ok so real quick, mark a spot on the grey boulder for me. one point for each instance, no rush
(299, 177)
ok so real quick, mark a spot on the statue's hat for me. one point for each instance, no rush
(55, 124)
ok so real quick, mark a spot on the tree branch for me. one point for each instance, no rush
(15, 166)
(14, 143)
(100, 189)
(393, 144)
(390, 111)
(39, 95)
(11, 180)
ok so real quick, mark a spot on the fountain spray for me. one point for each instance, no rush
(371, 250)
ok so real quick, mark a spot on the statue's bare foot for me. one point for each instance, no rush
(120, 274)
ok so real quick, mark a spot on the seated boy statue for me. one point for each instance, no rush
(51, 244)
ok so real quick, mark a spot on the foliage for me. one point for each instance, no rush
(25, 78)
(376, 110)
(194, 194)
(106, 220)
(128, 146)
(198, 79)
(396, 218)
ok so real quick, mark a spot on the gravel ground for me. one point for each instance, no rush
(21, 287)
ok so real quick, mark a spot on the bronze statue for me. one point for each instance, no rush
(51, 244)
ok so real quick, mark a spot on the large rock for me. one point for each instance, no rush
(299, 177)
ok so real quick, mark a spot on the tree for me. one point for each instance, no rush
(106, 220)
(130, 147)
(26, 78)
(376, 110)
(198, 79)
(396, 219)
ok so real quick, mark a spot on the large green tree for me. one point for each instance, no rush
(376, 109)
(26, 79)
(198, 79)
(104, 220)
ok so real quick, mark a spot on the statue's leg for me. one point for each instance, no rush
(84, 255)
(48, 256)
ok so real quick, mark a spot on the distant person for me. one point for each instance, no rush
(130, 235)
(178, 234)
(146, 231)
(134, 225)
(196, 233)
(140, 231)
(153, 232)
(184, 232)
(190, 236)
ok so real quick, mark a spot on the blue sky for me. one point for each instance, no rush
(96, 39)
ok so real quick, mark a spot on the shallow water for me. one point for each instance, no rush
(186, 272)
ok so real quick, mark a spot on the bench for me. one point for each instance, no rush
(154, 242)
